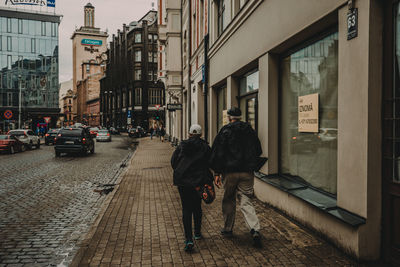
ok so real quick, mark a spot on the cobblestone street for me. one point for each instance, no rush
(47, 204)
(142, 226)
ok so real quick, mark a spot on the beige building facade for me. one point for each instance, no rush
(89, 44)
(334, 169)
(170, 63)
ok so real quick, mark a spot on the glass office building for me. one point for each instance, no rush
(28, 61)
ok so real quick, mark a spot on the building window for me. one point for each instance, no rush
(138, 37)
(20, 26)
(54, 29)
(69, 101)
(150, 38)
(9, 26)
(1, 42)
(311, 156)
(87, 68)
(221, 106)
(9, 43)
(221, 16)
(138, 55)
(43, 28)
(150, 55)
(9, 99)
(155, 57)
(150, 75)
(9, 62)
(248, 86)
(155, 96)
(124, 99)
(138, 96)
(155, 37)
(33, 45)
(138, 74)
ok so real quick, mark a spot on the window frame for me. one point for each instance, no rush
(301, 45)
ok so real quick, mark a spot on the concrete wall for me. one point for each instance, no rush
(359, 105)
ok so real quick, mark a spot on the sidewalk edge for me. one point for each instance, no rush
(85, 242)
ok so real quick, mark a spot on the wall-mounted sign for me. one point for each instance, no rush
(49, 3)
(308, 113)
(47, 119)
(8, 114)
(91, 42)
(352, 23)
(91, 49)
(173, 107)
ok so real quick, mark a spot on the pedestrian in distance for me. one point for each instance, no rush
(162, 133)
(235, 155)
(151, 132)
(191, 170)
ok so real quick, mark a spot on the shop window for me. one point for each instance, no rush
(310, 156)
(248, 91)
(221, 106)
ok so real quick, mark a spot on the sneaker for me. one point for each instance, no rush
(188, 245)
(198, 236)
(226, 233)
(256, 238)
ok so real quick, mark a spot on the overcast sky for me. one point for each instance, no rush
(110, 14)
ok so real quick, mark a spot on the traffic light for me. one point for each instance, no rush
(157, 116)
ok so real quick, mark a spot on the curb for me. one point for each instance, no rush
(83, 245)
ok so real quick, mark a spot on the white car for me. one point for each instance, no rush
(28, 137)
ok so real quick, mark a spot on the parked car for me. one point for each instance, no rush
(114, 130)
(103, 135)
(136, 132)
(94, 131)
(328, 135)
(28, 137)
(50, 136)
(74, 140)
(11, 144)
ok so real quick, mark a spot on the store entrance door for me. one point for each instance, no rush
(391, 135)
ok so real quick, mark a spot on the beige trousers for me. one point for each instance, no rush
(240, 185)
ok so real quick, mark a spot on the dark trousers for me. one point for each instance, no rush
(191, 205)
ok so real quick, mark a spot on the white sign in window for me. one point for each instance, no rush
(308, 113)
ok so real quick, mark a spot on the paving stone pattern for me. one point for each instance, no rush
(142, 227)
(47, 204)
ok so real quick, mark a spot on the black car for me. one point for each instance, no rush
(74, 140)
(50, 136)
(136, 132)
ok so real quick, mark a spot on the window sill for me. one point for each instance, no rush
(313, 197)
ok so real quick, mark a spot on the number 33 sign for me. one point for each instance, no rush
(352, 23)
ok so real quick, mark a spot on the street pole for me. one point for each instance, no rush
(20, 102)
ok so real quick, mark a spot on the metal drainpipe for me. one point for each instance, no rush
(189, 89)
(206, 71)
(181, 73)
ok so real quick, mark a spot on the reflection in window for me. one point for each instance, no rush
(138, 55)
(43, 28)
(9, 43)
(33, 45)
(312, 157)
(138, 37)
(9, 25)
(221, 16)
(20, 26)
(221, 106)
(249, 82)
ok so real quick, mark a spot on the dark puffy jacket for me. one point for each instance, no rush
(236, 148)
(190, 163)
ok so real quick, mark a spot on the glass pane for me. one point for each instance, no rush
(221, 106)
(312, 157)
(251, 112)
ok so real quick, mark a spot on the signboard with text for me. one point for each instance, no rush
(173, 107)
(32, 4)
(352, 24)
(91, 42)
(308, 113)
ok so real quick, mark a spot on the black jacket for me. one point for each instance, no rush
(236, 148)
(190, 163)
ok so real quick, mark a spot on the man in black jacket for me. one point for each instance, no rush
(191, 169)
(235, 155)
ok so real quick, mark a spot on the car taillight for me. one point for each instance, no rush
(59, 135)
(108, 134)
(294, 137)
(84, 140)
(47, 134)
(97, 134)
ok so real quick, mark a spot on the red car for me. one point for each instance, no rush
(11, 144)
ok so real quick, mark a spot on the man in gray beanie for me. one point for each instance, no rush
(235, 155)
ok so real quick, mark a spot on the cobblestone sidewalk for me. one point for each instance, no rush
(142, 227)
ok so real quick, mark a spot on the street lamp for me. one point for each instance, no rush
(20, 102)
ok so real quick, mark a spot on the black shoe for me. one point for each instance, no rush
(226, 233)
(256, 238)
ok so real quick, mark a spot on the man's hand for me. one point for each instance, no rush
(217, 180)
